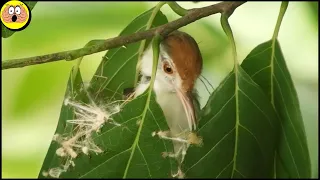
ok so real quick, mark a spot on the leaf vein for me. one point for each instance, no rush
(217, 112)
(211, 149)
(288, 115)
(224, 168)
(240, 173)
(287, 143)
(115, 73)
(219, 87)
(116, 127)
(260, 147)
(259, 71)
(254, 55)
(144, 158)
(256, 106)
(286, 110)
(290, 89)
(104, 86)
(105, 162)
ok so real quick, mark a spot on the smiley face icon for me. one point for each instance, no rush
(15, 15)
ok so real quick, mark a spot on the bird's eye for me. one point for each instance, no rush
(167, 68)
(18, 10)
(11, 10)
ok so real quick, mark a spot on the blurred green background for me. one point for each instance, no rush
(32, 96)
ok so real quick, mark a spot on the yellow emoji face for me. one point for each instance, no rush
(15, 15)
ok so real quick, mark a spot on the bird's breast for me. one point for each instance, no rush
(173, 111)
(170, 104)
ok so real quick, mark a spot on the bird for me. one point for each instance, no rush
(179, 67)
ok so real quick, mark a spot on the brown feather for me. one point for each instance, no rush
(186, 56)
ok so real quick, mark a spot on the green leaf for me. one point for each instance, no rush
(5, 31)
(266, 66)
(239, 130)
(130, 150)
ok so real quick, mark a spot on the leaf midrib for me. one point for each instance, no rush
(136, 141)
(235, 153)
(105, 162)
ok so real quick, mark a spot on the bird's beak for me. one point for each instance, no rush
(187, 100)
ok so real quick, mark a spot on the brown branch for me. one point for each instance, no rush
(102, 45)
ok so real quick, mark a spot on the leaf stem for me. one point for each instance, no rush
(177, 8)
(143, 42)
(227, 29)
(283, 8)
(156, 51)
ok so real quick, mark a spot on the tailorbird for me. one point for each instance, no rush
(179, 67)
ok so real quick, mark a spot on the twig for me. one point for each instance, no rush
(191, 16)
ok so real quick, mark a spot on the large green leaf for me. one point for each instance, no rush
(7, 32)
(130, 150)
(266, 66)
(239, 129)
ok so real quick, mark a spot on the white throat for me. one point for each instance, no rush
(166, 96)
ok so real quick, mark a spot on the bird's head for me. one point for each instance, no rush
(179, 66)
